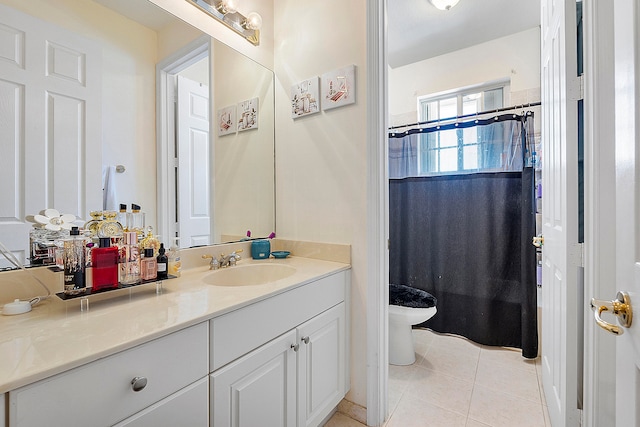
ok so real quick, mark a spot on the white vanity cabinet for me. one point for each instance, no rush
(293, 368)
(102, 393)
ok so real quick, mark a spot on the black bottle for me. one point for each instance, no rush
(162, 263)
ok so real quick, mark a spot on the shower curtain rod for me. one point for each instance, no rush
(498, 110)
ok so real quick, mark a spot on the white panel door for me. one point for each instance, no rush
(321, 365)
(258, 389)
(627, 142)
(560, 211)
(194, 186)
(50, 124)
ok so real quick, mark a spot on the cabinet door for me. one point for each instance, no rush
(187, 407)
(321, 365)
(259, 389)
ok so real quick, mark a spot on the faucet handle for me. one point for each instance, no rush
(214, 263)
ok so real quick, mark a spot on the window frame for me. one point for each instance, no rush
(434, 161)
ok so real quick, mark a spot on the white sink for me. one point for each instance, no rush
(248, 275)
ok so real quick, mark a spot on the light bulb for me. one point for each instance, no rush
(253, 22)
(227, 6)
(444, 4)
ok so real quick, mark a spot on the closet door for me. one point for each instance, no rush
(50, 125)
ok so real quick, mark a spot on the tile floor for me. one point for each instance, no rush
(456, 382)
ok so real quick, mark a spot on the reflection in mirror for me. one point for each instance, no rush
(94, 108)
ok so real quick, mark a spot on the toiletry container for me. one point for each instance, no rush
(129, 259)
(260, 249)
(74, 263)
(149, 265)
(136, 220)
(104, 265)
(174, 264)
(122, 217)
(162, 261)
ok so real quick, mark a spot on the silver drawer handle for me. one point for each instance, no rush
(138, 383)
(295, 347)
(305, 340)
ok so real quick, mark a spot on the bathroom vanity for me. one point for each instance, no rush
(197, 354)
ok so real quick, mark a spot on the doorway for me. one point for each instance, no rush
(183, 146)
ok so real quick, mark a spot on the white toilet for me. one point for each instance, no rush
(401, 351)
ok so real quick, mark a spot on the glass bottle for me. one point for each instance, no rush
(105, 265)
(92, 225)
(74, 263)
(129, 259)
(149, 265)
(150, 241)
(122, 217)
(110, 227)
(174, 264)
(162, 261)
(136, 220)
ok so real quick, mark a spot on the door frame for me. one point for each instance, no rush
(165, 127)
(377, 258)
(599, 191)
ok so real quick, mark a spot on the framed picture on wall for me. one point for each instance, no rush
(339, 87)
(248, 114)
(227, 120)
(305, 97)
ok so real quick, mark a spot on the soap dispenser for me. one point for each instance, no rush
(174, 263)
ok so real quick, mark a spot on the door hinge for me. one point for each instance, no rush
(575, 255)
(575, 88)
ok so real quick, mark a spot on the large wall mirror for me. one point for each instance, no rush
(123, 93)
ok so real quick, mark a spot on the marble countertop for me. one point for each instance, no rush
(56, 336)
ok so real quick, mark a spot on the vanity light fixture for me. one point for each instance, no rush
(226, 11)
(444, 4)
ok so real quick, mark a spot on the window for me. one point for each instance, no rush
(455, 149)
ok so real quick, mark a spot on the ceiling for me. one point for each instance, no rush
(418, 31)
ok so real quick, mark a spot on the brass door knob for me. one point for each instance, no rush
(621, 307)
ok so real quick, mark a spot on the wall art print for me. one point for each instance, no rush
(248, 114)
(227, 120)
(305, 97)
(339, 87)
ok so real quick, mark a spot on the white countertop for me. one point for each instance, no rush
(56, 336)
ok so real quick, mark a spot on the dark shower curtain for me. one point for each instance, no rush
(466, 239)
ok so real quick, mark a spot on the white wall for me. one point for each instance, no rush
(320, 159)
(515, 57)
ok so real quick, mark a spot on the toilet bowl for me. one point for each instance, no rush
(401, 350)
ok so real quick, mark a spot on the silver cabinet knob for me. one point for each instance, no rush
(295, 347)
(305, 340)
(138, 383)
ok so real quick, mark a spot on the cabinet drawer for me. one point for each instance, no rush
(101, 393)
(237, 333)
(188, 407)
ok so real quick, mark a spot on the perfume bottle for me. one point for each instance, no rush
(129, 259)
(162, 261)
(105, 265)
(135, 220)
(110, 227)
(150, 241)
(92, 225)
(74, 263)
(149, 265)
(122, 217)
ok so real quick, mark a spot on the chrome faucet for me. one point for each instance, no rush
(229, 260)
(224, 260)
